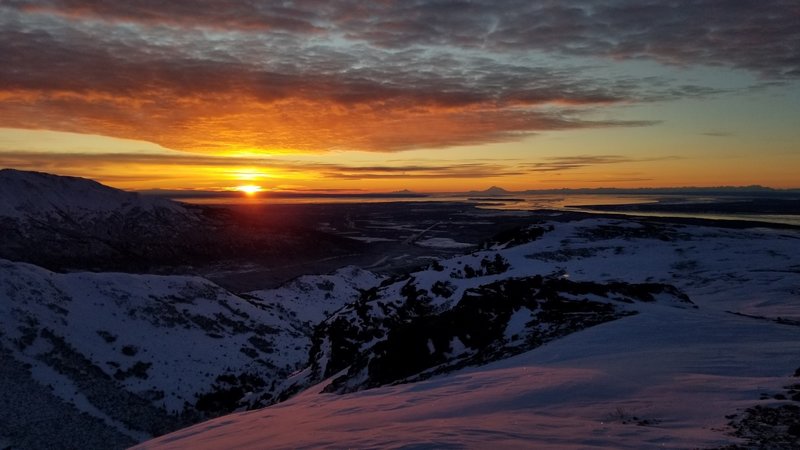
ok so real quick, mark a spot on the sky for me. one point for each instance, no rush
(431, 96)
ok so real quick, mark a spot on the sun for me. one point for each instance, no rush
(249, 189)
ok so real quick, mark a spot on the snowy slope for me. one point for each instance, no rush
(606, 387)
(74, 224)
(312, 298)
(142, 354)
(35, 195)
(668, 376)
(67, 223)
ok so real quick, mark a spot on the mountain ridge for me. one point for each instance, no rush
(69, 223)
(27, 194)
(135, 356)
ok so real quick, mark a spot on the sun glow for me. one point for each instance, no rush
(249, 189)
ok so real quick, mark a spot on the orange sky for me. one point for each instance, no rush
(367, 97)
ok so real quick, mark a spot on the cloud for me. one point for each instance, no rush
(717, 133)
(563, 163)
(176, 165)
(609, 181)
(475, 170)
(760, 35)
(376, 76)
(244, 14)
(87, 163)
(126, 88)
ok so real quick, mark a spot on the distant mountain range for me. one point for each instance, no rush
(493, 191)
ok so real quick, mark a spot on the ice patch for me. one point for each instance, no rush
(443, 243)
(370, 240)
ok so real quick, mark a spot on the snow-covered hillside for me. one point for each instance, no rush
(38, 196)
(126, 357)
(644, 368)
(74, 224)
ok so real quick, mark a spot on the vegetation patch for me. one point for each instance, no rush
(773, 426)
(395, 333)
(516, 236)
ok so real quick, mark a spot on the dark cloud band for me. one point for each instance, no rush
(82, 162)
(761, 35)
(379, 76)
